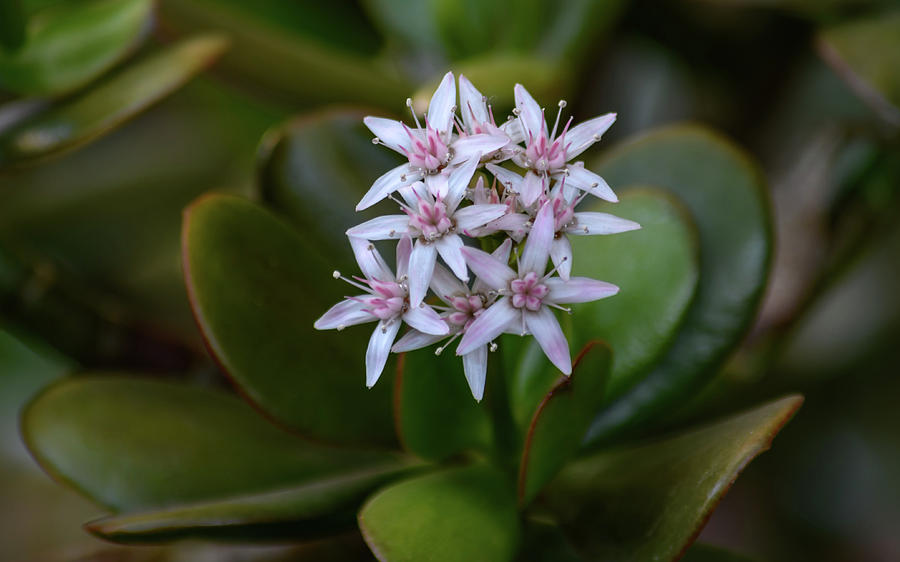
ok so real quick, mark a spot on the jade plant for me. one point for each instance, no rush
(500, 448)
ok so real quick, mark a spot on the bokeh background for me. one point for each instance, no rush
(90, 206)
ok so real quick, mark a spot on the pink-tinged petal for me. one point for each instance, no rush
(545, 329)
(413, 192)
(501, 254)
(440, 108)
(471, 104)
(511, 180)
(450, 248)
(537, 247)
(475, 216)
(389, 227)
(475, 368)
(489, 324)
(414, 339)
(473, 145)
(561, 255)
(390, 132)
(370, 261)
(458, 182)
(578, 289)
(388, 183)
(532, 188)
(516, 224)
(404, 250)
(600, 223)
(530, 114)
(586, 180)
(378, 350)
(580, 137)
(421, 265)
(495, 273)
(514, 130)
(426, 320)
(445, 284)
(348, 312)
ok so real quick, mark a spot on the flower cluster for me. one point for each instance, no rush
(454, 190)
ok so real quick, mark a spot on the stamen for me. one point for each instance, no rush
(558, 307)
(376, 140)
(493, 347)
(555, 268)
(562, 104)
(337, 275)
(409, 104)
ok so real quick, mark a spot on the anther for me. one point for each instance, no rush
(493, 346)
(438, 351)
(336, 274)
(376, 140)
(340, 327)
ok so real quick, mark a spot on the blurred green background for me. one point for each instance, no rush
(115, 114)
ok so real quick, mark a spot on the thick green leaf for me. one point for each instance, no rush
(131, 443)
(656, 269)
(436, 415)
(866, 53)
(256, 287)
(700, 552)
(315, 169)
(12, 24)
(649, 502)
(104, 107)
(300, 52)
(460, 514)
(544, 541)
(726, 195)
(561, 419)
(72, 43)
(308, 511)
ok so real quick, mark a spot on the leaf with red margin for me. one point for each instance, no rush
(561, 419)
(650, 501)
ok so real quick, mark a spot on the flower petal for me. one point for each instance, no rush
(440, 108)
(414, 339)
(474, 216)
(578, 289)
(580, 137)
(404, 249)
(413, 192)
(530, 114)
(370, 261)
(458, 182)
(475, 368)
(450, 248)
(348, 312)
(495, 273)
(545, 329)
(381, 228)
(421, 265)
(514, 130)
(532, 188)
(378, 350)
(472, 145)
(445, 284)
(391, 133)
(516, 224)
(389, 182)
(586, 180)
(561, 254)
(472, 105)
(537, 247)
(600, 223)
(426, 320)
(489, 324)
(501, 254)
(511, 180)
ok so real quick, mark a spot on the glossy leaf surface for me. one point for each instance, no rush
(132, 443)
(656, 269)
(649, 502)
(308, 511)
(725, 193)
(866, 53)
(105, 106)
(561, 419)
(72, 43)
(436, 415)
(256, 287)
(462, 514)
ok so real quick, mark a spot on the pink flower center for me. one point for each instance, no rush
(431, 221)
(466, 309)
(563, 213)
(528, 292)
(430, 154)
(390, 301)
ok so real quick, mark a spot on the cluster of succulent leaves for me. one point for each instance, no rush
(547, 468)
